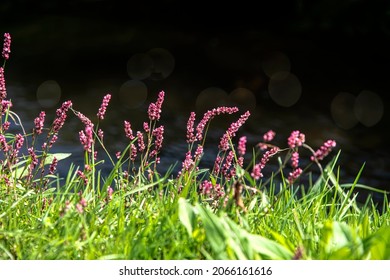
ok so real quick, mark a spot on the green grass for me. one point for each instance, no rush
(156, 221)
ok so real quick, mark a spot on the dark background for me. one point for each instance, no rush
(333, 46)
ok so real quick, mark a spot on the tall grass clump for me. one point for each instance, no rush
(234, 210)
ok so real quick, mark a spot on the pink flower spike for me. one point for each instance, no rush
(39, 122)
(269, 136)
(209, 115)
(53, 166)
(241, 146)
(231, 132)
(190, 128)
(295, 160)
(256, 172)
(103, 107)
(154, 110)
(294, 175)
(324, 150)
(3, 90)
(6, 46)
(86, 139)
(128, 131)
(296, 139)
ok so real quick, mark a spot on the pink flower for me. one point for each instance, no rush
(6, 125)
(199, 152)
(100, 134)
(61, 116)
(294, 175)
(241, 146)
(86, 138)
(231, 132)
(296, 139)
(146, 127)
(133, 152)
(295, 160)
(53, 166)
(217, 165)
(5, 105)
(188, 163)
(206, 187)
(256, 172)
(190, 128)
(141, 143)
(34, 159)
(19, 140)
(3, 90)
(82, 176)
(128, 131)
(209, 115)
(213, 191)
(324, 150)
(158, 133)
(85, 120)
(39, 122)
(103, 106)
(227, 165)
(6, 46)
(269, 136)
(154, 110)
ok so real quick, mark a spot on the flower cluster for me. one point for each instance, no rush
(324, 150)
(213, 191)
(154, 110)
(208, 116)
(231, 132)
(6, 46)
(103, 106)
(296, 139)
(39, 122)
(257, 168)
(86, 138)
(3, 90)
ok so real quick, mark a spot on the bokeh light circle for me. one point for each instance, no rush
(368, 108)
(342, 110)
(163, 63)
(285, 89)
(140, 66)
(276, 62)
(133, 94)
(210, 98)
(48, 93)
(243, 98)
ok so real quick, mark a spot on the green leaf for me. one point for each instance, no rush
(187, 215)
(59, 156)
(379, 244)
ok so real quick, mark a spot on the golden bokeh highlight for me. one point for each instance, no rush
(163, 63)
(276, 62)
(133, 94)
(284, 89)
(243, 98)
(156, 64)
(140, 66)
(342, 110)
(368, 108)
(48, 93)
(210, 98)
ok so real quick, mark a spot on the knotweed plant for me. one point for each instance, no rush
(229, 211)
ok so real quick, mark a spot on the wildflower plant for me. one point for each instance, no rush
(205, 212)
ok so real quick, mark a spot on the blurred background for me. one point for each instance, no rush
(321, 67)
